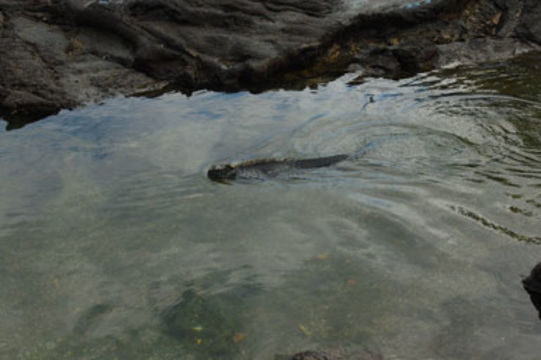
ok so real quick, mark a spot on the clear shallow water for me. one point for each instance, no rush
(115, 245)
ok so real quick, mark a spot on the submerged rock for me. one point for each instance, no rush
(337, 354)
(62, 53)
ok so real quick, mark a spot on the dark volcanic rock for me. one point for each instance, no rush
(337, 354)
(532, 284)
(62, 53)
(311, 355)
(530, 24)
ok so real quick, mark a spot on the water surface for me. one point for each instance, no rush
(115, 245)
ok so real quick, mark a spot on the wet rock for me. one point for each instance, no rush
(51, 68)
(477, 50)
(379, 62)
(416, 57)
(67, 53)
(73, 47)
(27, 84)
(482, 17)
(530, 24)
(532, 284)
(399, 61)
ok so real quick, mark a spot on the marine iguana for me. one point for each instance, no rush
(261, 169)
(269, 168)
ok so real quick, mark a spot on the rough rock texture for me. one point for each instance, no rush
(532, 285)
(58, 54)
(530, 25)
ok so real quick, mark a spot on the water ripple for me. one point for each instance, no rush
(114, 243)
(487, 223)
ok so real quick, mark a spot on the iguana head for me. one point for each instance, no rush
(222, 172)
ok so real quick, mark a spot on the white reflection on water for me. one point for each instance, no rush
(113, 239)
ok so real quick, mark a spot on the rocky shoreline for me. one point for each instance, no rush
(58, 54)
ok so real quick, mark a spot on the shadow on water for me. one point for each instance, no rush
(14, 122)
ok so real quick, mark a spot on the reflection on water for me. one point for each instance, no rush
(115, 244)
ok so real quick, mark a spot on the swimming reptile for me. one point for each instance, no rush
(269, 168)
